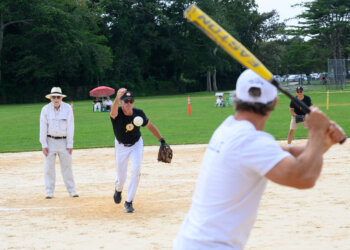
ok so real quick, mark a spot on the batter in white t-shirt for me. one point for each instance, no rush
(230, 187)
(239, 160)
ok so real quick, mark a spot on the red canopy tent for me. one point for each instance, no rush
(102, 91)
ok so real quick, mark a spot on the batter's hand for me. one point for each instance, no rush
(70, 150)
(121, 92)
(46, 151)
(336, 133)
(316, 120)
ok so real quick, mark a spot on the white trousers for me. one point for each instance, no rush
(122, 154)
(58, 147)
(97, 105)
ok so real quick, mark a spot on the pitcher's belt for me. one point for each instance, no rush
(57, 137)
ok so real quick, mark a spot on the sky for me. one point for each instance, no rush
(283, 7)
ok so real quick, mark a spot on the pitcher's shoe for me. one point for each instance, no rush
(74, 194)
(117, 197)
(128, 207)
(49, 196)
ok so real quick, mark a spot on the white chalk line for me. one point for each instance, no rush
(178, 199)
(29, 208)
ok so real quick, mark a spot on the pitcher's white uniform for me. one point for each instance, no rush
(128, 144)
(56, 134)
(223, 211)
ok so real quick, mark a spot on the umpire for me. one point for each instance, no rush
(56, 138)
(298, 115)
(128, 144)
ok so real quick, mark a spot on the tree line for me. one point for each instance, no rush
(149, 47)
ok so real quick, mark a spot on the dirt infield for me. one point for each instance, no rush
(318, 218)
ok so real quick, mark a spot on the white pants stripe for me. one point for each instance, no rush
(58, 147)
(122, 154)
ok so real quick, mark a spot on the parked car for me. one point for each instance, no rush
(292, 78)
(315, 76)
(278, 78)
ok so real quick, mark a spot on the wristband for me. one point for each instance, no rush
(162, 140)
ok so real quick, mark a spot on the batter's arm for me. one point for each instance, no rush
(300, 171)
(115, 105)
(303, 168)
(294, 150)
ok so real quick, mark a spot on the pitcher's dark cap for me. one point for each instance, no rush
(300, 89)
(127, 95)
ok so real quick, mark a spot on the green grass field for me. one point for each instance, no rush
(19, 124)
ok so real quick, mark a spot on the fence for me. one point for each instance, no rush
(337, 77)
(338, 73)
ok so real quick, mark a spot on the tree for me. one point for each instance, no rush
(12, 12)
(61, 47)
(328, 22)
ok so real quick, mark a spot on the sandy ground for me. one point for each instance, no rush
(318, 218)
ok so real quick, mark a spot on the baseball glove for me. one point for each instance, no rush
(299, 118)
(165, 153)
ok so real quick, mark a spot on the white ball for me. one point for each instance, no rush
(138, 121)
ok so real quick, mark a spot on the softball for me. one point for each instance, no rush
(138, 121)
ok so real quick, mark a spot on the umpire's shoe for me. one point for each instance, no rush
(117, 197)
(128, 207)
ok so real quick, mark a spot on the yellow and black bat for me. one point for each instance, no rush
(235, 49)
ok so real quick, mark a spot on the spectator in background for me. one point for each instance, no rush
(108, 103)
(97, 104)
(220, 101)
(324, 79)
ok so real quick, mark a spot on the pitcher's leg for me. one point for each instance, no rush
(136, 160)
(121, 164)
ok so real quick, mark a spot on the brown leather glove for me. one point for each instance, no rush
(165, 153)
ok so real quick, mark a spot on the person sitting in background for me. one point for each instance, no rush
(108, 103)
(97, 104)
(220, 102)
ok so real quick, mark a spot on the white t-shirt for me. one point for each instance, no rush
(108, 102)
(229, 187)
(218, 101)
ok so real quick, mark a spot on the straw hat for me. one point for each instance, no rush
(55, 91)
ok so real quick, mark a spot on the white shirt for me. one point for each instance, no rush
(229, 188)
(108, 102)
(57, 123)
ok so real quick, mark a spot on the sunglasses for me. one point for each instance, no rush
(299, 91)
(131, 101)
(54, 97)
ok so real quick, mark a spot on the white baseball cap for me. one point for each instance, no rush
(249, 79)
